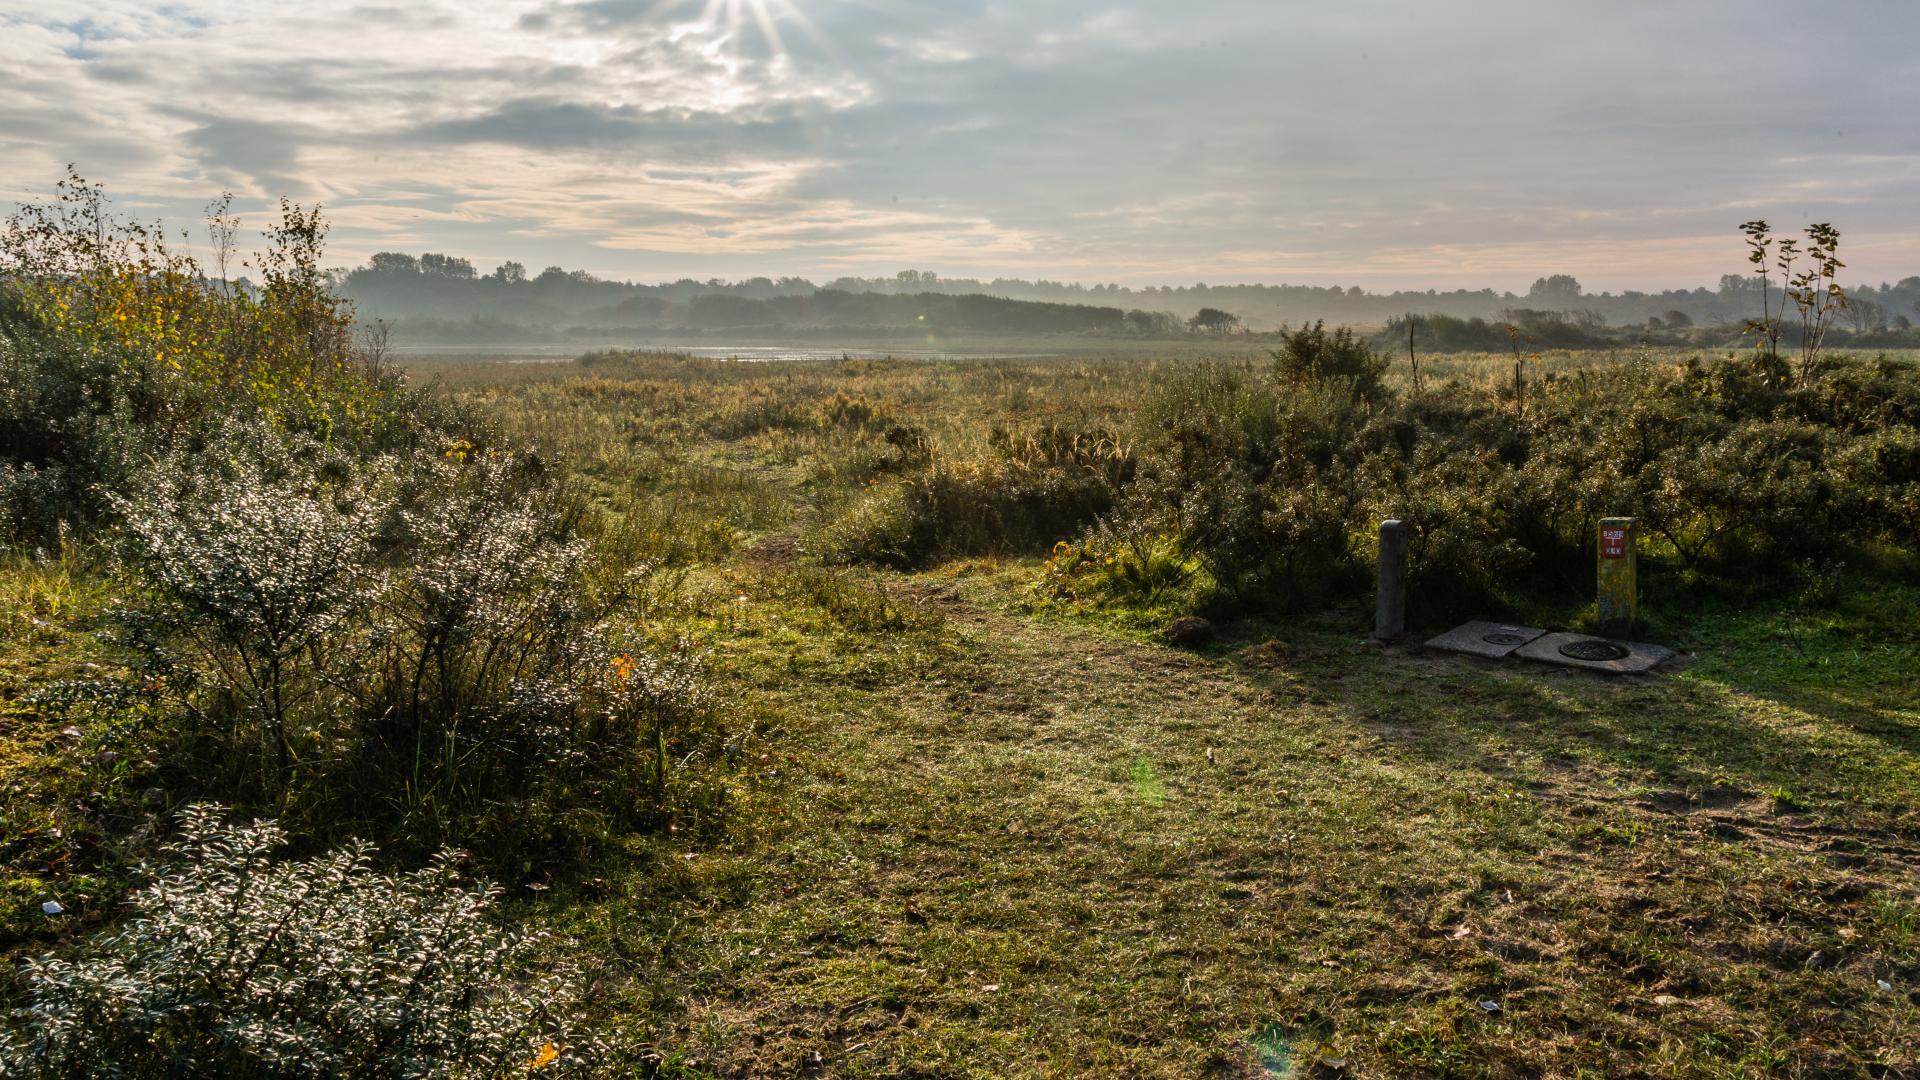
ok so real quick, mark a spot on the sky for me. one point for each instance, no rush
(1412, 144)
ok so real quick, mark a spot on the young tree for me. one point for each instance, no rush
(1814, 290)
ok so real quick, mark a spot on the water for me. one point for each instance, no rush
(560, 353)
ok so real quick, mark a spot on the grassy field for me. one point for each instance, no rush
(996, 835)
(976, 830)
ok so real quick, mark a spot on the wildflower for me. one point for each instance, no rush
(622, 666)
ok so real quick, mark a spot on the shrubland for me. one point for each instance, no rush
(351, 600)
(1258, 485)
(330, 598)
(1012, 832)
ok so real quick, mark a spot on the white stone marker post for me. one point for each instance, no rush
(1390, 602)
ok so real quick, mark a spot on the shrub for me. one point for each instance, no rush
(1252, 482)
(1122, 560)
(1460, 545)
(115, 348)
(484, 659)
(262, 552)
(186, 346)
(1032, 490)
(1312, 355)
(424, 649)
(1887, 466)
(68, 434)
(1273, 485)
(353, 601)
(234, 965)
(877, 527)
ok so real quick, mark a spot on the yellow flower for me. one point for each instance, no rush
(622, 666)
(548, 1055)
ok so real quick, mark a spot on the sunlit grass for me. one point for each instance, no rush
(1018, 839)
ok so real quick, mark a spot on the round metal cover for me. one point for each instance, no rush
(1505, 639)
(1593, 650)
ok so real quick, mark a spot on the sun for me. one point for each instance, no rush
(732, 16)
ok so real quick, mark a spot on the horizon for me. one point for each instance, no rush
(938, 282)
(657, 140)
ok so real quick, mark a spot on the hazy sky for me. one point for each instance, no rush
(1415, 143)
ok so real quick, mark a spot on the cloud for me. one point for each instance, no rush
(250, 153)
(1370, 142)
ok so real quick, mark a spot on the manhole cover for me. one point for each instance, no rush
(1505, 639)
(1593, 650)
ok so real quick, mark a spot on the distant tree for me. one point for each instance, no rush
(1901, 322)
(642, 307)
(446, 266)
(1678, 320)
(1863, 314)
(510, 273)
(551, 275)
(394, 262)
(1152, 323)
(1560, 290)
(1214, 321)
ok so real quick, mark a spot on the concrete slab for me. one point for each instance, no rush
(1595, 654)
(1491, 640)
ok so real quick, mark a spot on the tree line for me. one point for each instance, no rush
(407, 289)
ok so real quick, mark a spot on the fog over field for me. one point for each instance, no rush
(1371, 144)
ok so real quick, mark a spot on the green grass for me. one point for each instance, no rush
(1001, 837)
(1013, 846)
(68, 795)
(978, 834)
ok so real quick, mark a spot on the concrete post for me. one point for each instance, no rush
(1618, 602)
(1390, 602)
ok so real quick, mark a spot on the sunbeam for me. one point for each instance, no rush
(730, 18)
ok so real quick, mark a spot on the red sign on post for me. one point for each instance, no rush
(1613, 543)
